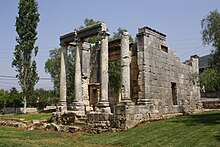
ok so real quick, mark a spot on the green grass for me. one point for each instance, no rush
(39, 116)
(185, 131)
(198, 130)
(12, 137)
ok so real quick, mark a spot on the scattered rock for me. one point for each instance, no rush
(35, 121)
(73, 129)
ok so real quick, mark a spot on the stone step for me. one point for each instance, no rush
(82, 119)
(80, 122)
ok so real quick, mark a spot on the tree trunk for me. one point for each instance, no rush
(25, 104)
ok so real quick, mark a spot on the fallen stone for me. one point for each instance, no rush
(73, 129)
(35, 121)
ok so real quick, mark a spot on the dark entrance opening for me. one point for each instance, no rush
(93, 94)
(174, 93)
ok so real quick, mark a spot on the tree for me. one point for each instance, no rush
(41, 98)
(52, 66)
(118, 34)
(3, 98)
(211, 34)
(25, 50)
(210, 80)
(15, 99)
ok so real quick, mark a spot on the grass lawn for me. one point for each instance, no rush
(12, 137)
(184, 131)
(39, 116)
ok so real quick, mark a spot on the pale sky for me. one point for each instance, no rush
(178, 19)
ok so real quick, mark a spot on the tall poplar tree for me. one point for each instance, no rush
(25, 50)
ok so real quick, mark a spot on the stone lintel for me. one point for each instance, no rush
(84, 33)
(67, 38)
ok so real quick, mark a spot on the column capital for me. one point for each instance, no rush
(104, 33)
(63, 44)
(125, 34)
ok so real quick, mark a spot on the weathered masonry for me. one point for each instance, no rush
(154, 83)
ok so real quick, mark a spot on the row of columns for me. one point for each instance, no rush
(103, 99)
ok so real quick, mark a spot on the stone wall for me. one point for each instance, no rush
(211, 104)
(159, 67)
(10, 110)
(161, 86)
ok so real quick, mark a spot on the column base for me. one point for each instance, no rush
(103, 107)
(126, 102)
(62, 106)
(77, 106)
(61, 103)
(144, 102)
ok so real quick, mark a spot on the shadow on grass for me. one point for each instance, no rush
(212, 118)
(217, 137)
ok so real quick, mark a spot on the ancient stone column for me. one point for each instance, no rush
(78, 78)
(125, 69)
(103, 101)
(85, 72)
(62, 101)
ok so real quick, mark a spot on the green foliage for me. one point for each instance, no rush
(210, 79)
(211, 34)
(118, 34)
(3, 98)
(13, 98)
(52, 66)
(26, 25)
(115, 75)
(46, 97)
(89, 22)
(10, 99)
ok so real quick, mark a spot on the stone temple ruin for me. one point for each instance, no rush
(154, 83)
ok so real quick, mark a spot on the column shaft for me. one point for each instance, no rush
(62, 101)
(125, 68)
(85, 72)
(78, 77)
(104, 71)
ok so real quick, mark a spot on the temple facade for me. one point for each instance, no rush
(154, 83)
